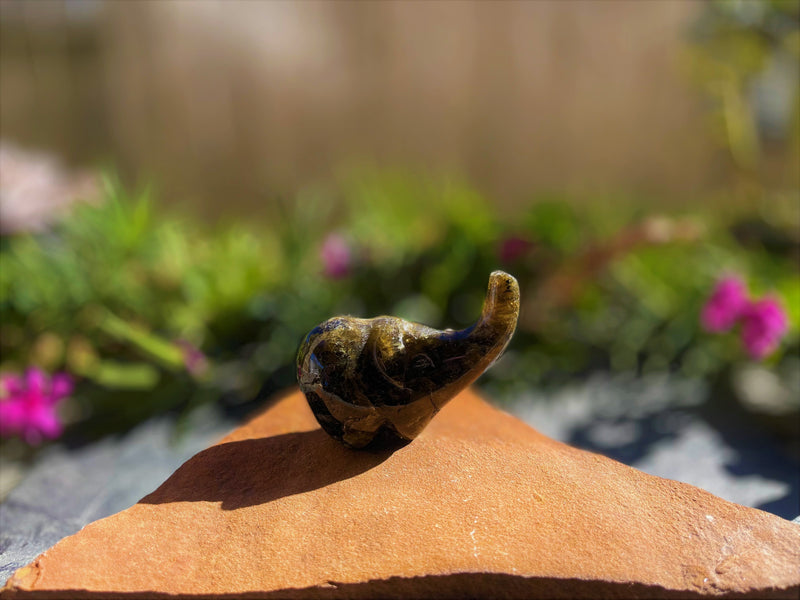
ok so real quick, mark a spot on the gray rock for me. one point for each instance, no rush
(666, 426)
(67, 489)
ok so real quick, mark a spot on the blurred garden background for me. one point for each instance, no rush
(187, 188)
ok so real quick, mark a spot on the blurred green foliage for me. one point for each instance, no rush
(745, 57)
(155, 312)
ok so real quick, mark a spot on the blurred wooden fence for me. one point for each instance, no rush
(226, 103)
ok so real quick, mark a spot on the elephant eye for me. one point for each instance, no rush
(421, 362)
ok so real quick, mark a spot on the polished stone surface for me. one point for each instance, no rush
(377, 383)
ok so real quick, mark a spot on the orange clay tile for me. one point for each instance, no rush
(479, 505)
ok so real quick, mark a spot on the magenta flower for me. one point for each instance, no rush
(513, 248)
(27, 405)
(726, 305)
(764, 323)
(336, 257)
(193, 358)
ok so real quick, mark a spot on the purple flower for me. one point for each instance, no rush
(726, 305)
(336, 257)
(764, 323)
(193, 358)
(513, 248)
(27, 405)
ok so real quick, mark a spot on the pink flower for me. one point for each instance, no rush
(336, 257)
(764, 323)
(726, 305)
(193, 358)
(513, 248)
(27, 405)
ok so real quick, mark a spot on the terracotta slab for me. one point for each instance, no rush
(480, 505)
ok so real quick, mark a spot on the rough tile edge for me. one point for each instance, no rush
(454, 586)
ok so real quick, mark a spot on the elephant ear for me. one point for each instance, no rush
(378, 382)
